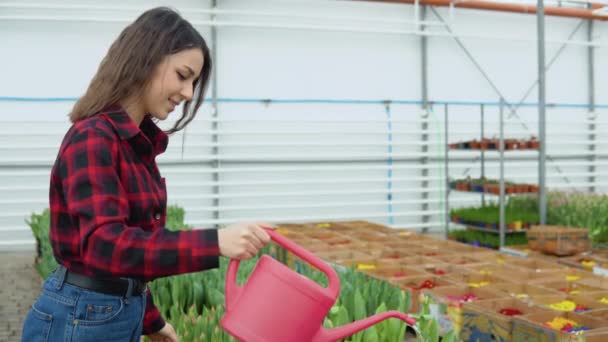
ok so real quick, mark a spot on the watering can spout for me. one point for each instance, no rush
(336, 334)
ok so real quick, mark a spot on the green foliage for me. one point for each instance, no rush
(487, 239)
(574, 209)
(577, 209)
(491, 213)
(40, 225)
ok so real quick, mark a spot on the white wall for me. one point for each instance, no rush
(44, 58)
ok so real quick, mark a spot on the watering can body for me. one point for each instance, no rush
(279, 304)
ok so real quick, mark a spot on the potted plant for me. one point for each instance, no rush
(511, 144)
(492, 187)
(510, 188)
(453, 183)
(484, 144)
(477, 185)
(533, 143)
(493, 144)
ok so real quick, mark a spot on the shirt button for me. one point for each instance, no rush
(157, 216)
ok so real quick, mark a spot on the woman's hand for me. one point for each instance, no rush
(242, 240)
(166, 334)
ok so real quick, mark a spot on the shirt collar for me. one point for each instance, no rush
(127, 129)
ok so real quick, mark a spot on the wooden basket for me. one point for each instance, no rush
(558, 240)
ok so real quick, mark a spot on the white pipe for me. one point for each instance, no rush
(551, 135)
(317, 205)
(255, 144)
(13, 229)
(260, 120)
(197, 169)
(357, 131)
(347, 121)
(257, 207)
(418, 225)
(13, 243)
(32, 241)
(30, 162)
(217, 11)
(321, 157)
(528, 163)
(343, 121)
(190, 146)
(331, 217)
(305, 193)
(206, 133)
(577, 185)
(316, 181)
(297, 182)
(353, 29)
(59, 134)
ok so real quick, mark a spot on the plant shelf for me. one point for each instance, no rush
(490, 230)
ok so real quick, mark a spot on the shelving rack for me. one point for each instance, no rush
(502, 193)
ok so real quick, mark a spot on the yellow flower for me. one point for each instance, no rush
(588, 264)
(604, 300)
(572, 278)
(480, 284)
(566, 305)
(365, 266)
(559, 322)
(323, 225)
(282, 231)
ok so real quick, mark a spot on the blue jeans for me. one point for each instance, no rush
(64, 312)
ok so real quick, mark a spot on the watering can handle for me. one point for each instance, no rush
(233, 290)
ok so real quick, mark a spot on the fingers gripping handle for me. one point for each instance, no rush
(233, 290)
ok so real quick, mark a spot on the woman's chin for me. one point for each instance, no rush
(161, 115)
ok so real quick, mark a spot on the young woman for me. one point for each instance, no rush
(108, 200)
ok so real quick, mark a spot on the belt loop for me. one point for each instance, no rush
(130, 289)
(60, 274)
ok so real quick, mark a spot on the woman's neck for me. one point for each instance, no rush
(135, 110)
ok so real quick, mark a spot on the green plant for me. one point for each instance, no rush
(487, 239)
(175, 218)
(490, 213)
(578, 209)
(574, 209)
(45, 261)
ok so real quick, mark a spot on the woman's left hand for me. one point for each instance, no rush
(166, 334)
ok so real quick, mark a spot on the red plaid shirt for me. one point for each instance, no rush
(108, 206)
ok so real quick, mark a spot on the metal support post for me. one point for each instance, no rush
(592, 117)
(502, 175)
(425, 124)
(215, 164)
(542, 201)
(483, 154)
(446, 170)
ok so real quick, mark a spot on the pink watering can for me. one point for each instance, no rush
(279, 304)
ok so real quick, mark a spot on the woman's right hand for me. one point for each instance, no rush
(242, 240)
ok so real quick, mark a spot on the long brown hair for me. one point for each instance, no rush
(127, 67)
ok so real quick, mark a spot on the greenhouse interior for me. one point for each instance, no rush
(382, 170)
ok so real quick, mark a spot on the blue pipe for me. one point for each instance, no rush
(326, 101)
